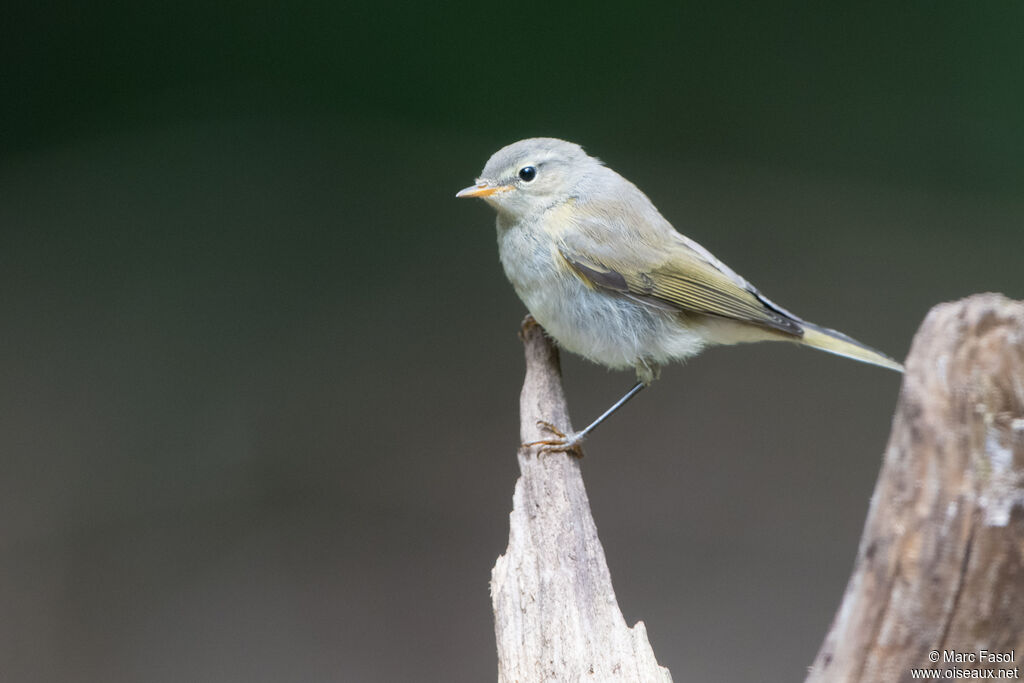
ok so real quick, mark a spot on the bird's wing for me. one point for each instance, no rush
(656, 264)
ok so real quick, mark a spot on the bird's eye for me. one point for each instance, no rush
(527, 173)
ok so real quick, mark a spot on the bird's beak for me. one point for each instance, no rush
(482, 189)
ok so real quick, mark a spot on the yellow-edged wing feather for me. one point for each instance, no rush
(666, 269)
(661, 266)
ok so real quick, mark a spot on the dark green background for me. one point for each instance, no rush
(259, 368)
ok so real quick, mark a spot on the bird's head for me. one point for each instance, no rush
(531, 175)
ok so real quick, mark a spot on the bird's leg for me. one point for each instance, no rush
(568, 443)
(615, 406)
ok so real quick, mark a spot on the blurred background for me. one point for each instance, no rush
(260, 373)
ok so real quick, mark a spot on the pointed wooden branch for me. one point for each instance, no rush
(555, 613)
(939, 574)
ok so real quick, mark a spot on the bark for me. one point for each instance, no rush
(939, 572)
(556, 616)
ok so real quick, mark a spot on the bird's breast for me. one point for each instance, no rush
(605, 327)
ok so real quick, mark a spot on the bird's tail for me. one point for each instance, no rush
(841, 345)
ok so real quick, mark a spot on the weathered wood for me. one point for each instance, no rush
(555, 612)
(940, 567)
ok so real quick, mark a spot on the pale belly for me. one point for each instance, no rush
(605, 327)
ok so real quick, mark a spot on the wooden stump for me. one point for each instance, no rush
(940, 569)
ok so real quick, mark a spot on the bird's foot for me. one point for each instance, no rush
(562, 443)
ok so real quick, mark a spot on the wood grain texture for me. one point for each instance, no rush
(556, 616)
(940, 566)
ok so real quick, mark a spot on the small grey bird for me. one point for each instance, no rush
(611, 280)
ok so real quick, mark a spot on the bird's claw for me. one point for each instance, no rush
(563, 443)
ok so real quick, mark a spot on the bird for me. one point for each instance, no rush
(610, 279)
